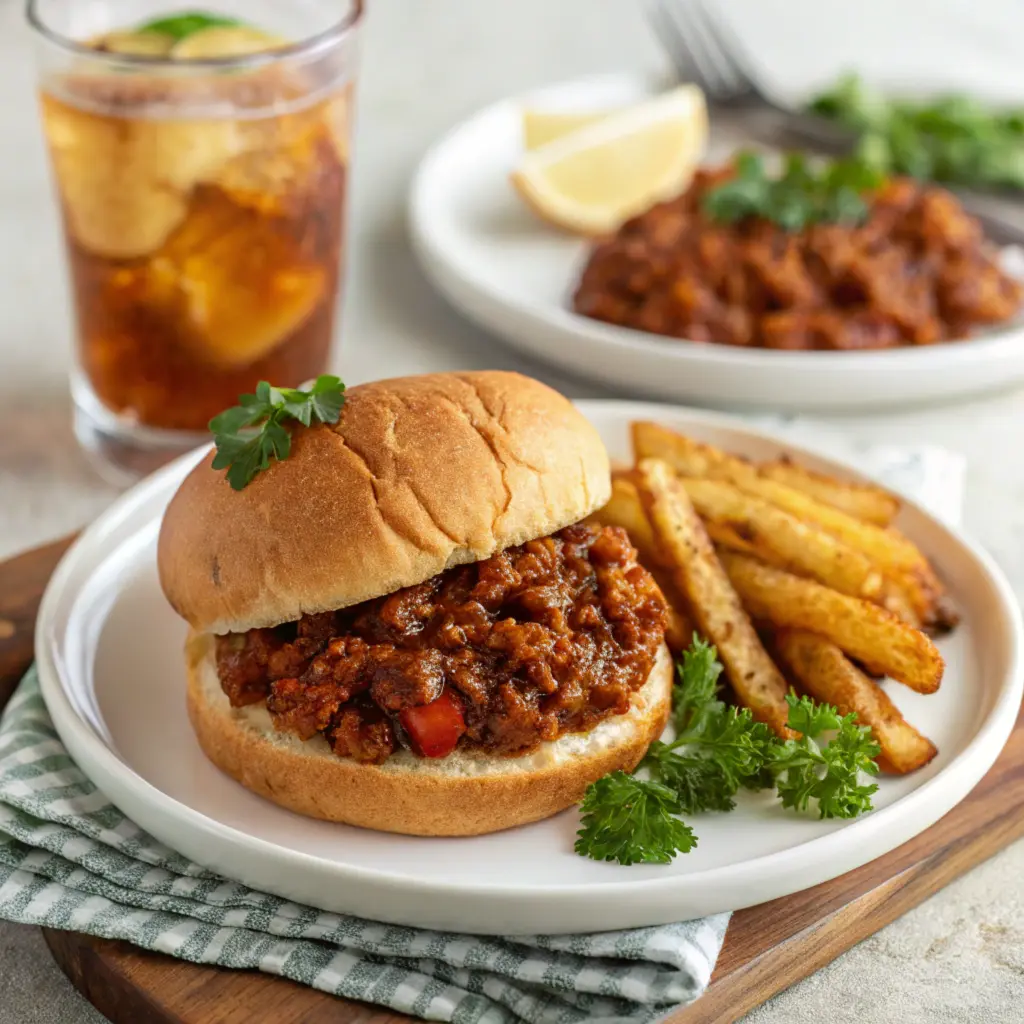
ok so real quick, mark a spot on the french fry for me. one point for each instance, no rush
(624, 509)
(864, 501)
(864, 631)
(803, 548)
(822, 669)
(896, 556)
(715, 604)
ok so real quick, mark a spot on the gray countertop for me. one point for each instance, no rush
(957, 958)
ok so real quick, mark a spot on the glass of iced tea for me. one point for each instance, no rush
(201, 161)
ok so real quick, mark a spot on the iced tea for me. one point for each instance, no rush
(203, 215)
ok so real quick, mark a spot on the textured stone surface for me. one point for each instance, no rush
(959, 957)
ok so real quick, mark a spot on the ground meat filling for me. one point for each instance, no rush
(918, 271)
(543, 639)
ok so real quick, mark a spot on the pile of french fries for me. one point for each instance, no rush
(799, 580)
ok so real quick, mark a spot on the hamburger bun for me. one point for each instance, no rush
(458, 795)
(420, 474)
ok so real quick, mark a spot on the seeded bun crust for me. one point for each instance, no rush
(420, 474)
(458, 795)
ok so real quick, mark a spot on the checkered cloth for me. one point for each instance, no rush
(70, 859)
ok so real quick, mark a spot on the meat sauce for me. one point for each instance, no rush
(916, 272)
(499, 656)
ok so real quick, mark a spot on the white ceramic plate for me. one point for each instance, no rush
(110, 661)
(507, 271)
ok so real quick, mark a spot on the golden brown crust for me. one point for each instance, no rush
(421, 473)
(453, 796)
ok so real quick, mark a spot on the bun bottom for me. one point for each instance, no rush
(458, 795)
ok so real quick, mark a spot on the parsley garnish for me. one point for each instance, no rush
(179, 26)
(632, 821)
(800, 196)
(805, 771)
(250, 434)
(719, 749)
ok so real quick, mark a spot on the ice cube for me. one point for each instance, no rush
(124, 177)
(235, 280)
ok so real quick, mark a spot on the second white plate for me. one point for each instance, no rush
(513, 275)
(109, 652)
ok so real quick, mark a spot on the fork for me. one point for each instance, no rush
(706, 51)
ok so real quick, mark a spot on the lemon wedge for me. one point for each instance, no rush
(594, 178)
(543, 126)
(138, 44)
(225, 41)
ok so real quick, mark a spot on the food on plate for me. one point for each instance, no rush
(623, 509)
(805, 261)
(590, 180)
(821, 668)
(950, 138)
(863, 501)
(781, 539)
(543, 126)
(715, 605)
(872, 635)
(903, 564)
(715, 751)
(780, 632)
(398, 619)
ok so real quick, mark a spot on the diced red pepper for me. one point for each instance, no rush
(434, 729)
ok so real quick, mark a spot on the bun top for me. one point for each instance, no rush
(419, 474)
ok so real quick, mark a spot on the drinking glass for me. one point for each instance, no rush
(202, 181)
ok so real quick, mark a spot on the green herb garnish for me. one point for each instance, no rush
(801, 195)
(719, 749)
(179, 26)
(250, 434)
(805, 771)
(952, 139)
(632, 821)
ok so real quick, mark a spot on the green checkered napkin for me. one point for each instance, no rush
(70, 859)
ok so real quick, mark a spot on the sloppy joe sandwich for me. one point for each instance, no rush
(405, 625)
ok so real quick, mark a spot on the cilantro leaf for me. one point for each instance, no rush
(252, 433)
(632, 821)
(179, 26)
(828, 774)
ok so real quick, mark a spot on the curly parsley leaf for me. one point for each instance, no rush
(252, 433)
(632, 821)
(830, 773)
(719, 749)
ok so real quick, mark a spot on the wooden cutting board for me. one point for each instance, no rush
(767, 948)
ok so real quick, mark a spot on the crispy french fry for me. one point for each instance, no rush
(866, 632)
(895, 555)
(715, 604)
(624, 509)
(804, 548)
(865, 501)
(822, 669)
(728, 535)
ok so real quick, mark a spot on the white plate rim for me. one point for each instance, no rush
(941, 792)
(498, 310)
